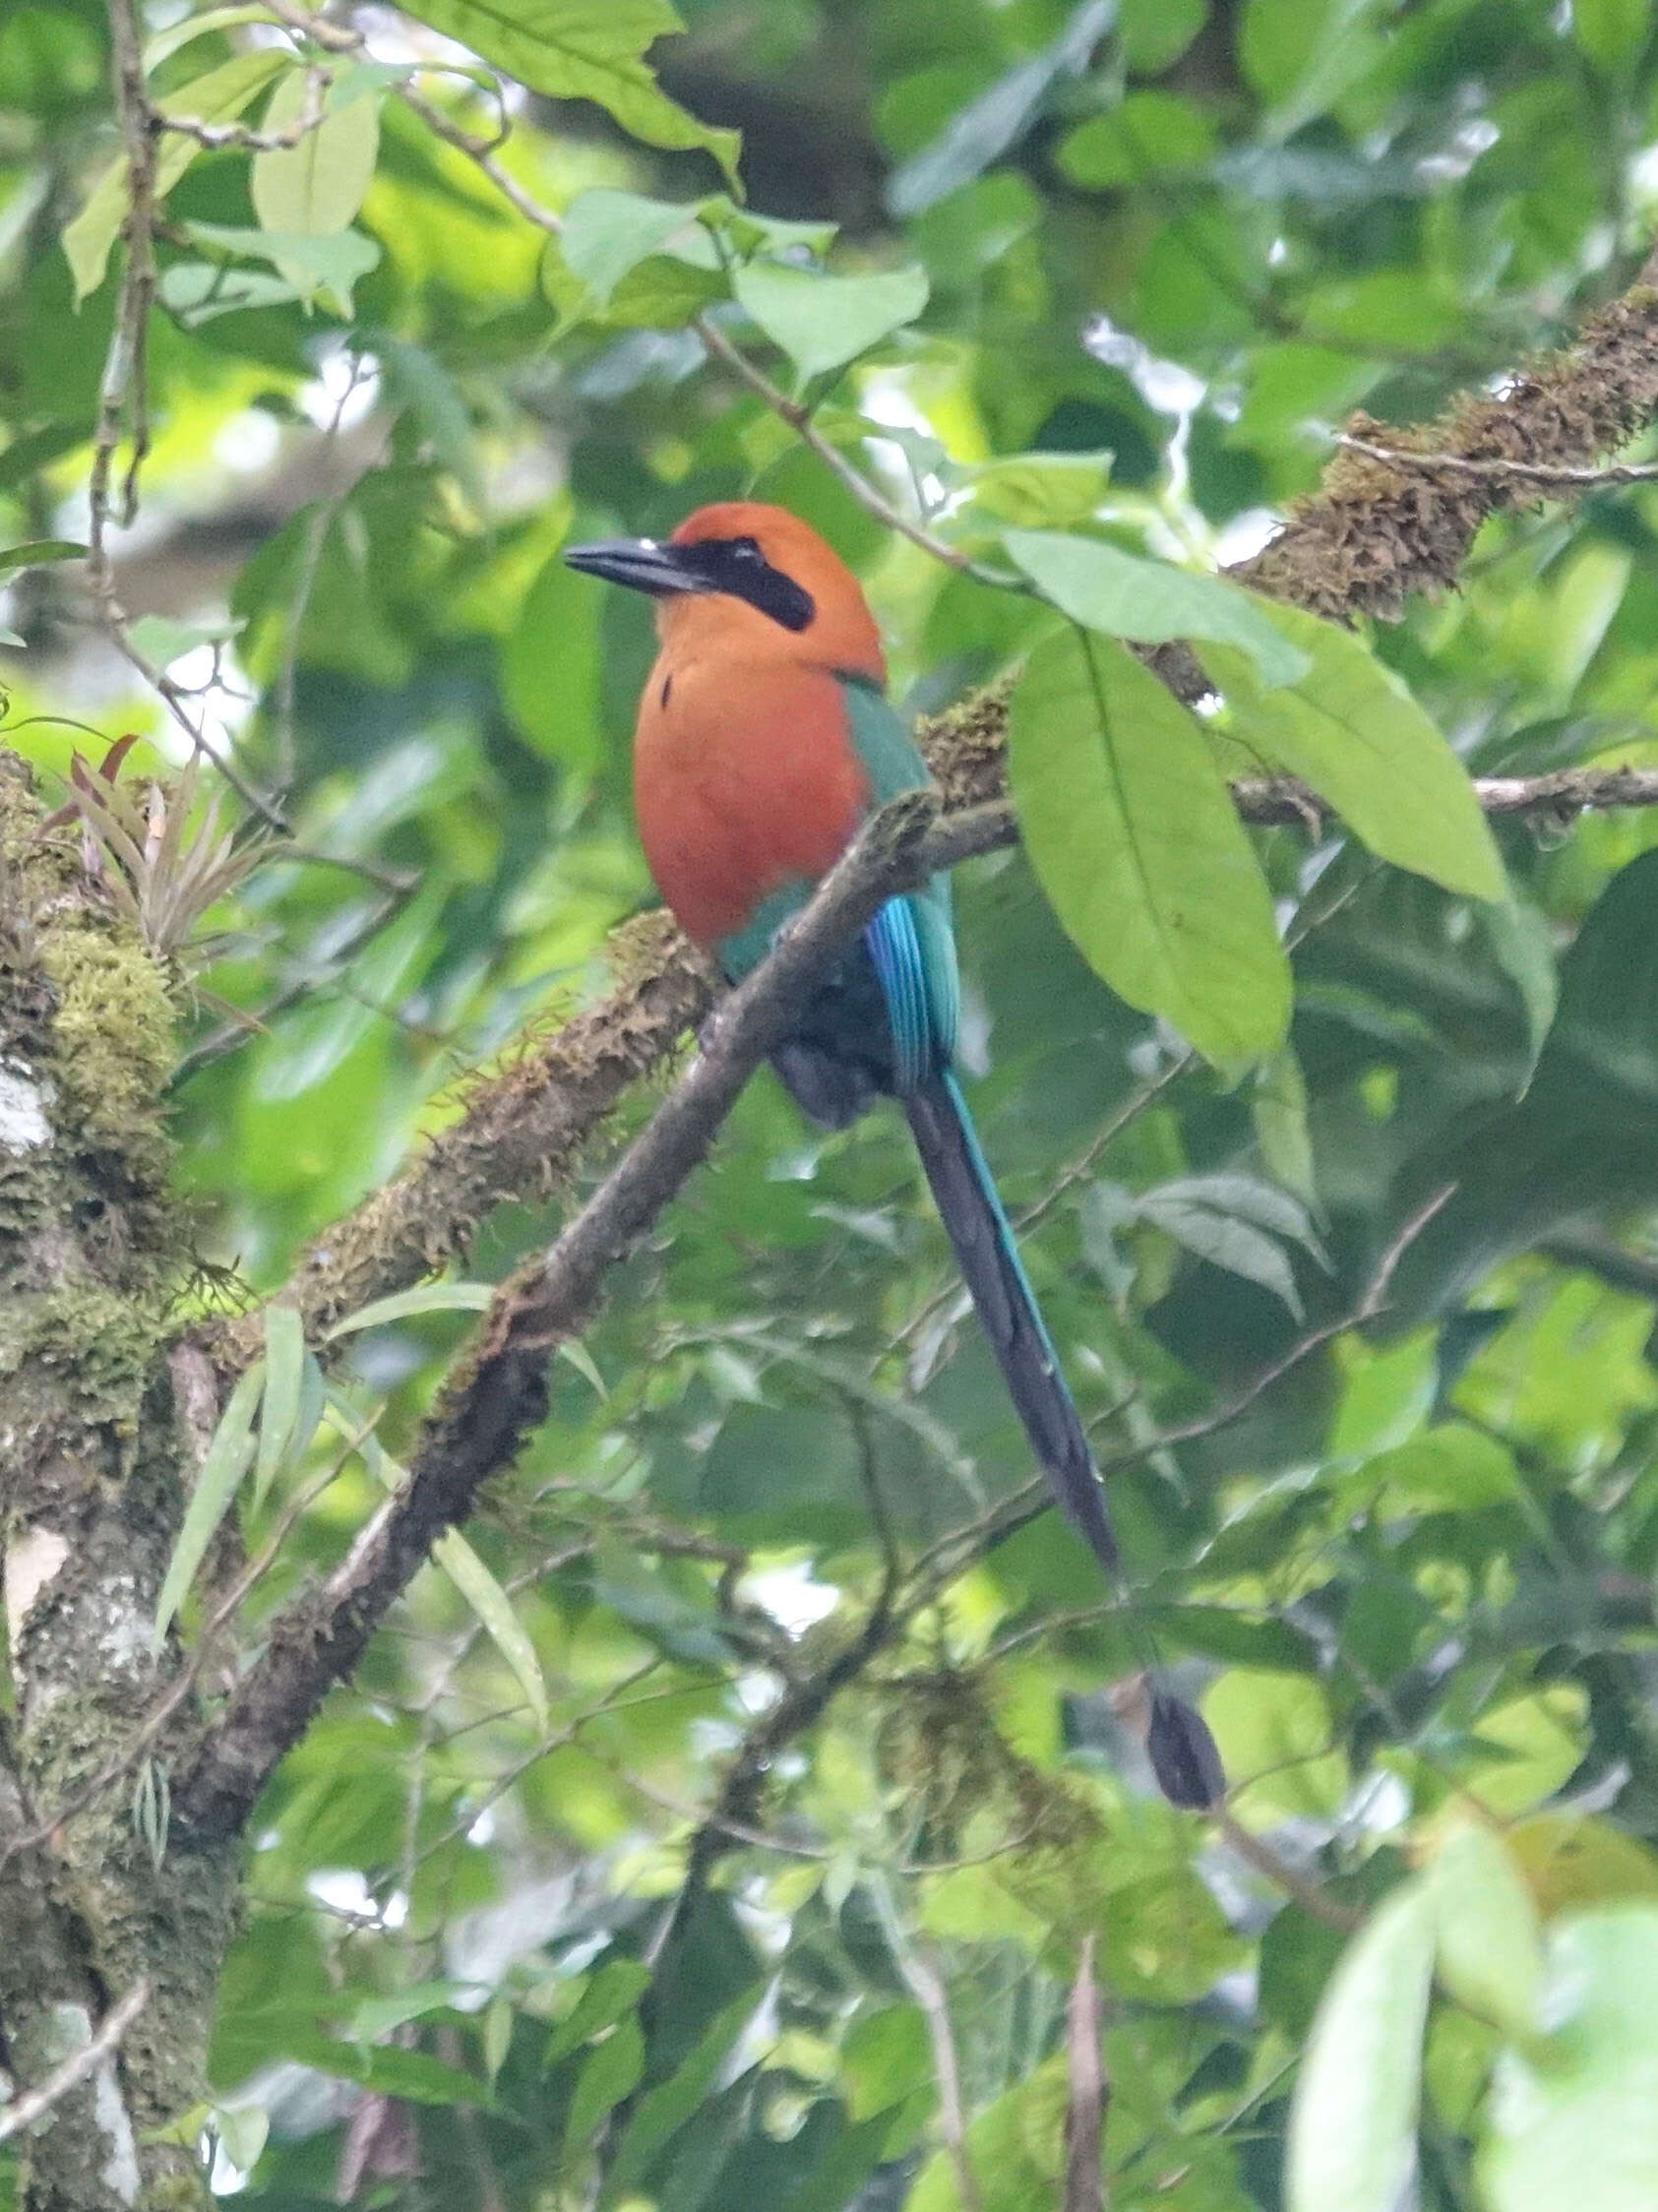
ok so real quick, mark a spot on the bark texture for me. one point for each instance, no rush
(91, 1254)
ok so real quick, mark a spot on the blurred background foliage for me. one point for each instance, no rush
(1167, 244)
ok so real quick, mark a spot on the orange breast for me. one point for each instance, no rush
(742, 783)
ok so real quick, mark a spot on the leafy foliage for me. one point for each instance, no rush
(538, 1913)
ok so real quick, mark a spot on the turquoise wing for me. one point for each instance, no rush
(911, 941)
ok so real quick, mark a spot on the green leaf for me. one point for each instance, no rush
(824, 321)
(1277, 1743)
(607, 233)
(494, 1608)
(1350, 729)
(1278, 1110)
(612, 2070)
(418, 380)
(1612, 32)
(402, 1305)
(1040, 490)
(1149, 602)
(982, 132)
(219, 96)
(1352, 2130)
(1519, 937)
(614, 1990)
(315, 188)
(278, 1411)
(661, 2111)
(1134, 838)
(1147, 135)
(225, 1463)
(329, 265)
(1574, 2118)
(1489, 1956)
(168, 43)
(1235, 1222)
(584, 49)
(39, 554)
(1451, 1469)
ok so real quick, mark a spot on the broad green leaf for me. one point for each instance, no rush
(616, 1988)
(1612, 32)
(222, 1467)
(607, 233)
(329, 265)
(824, 321)
(1147, 135)
(1487, 1950)
(610, 2073)
(278, 1408)
(1134, 838)
(1277, 1743)
(40, 554)
(1350, 729)
(661, 2111)
(1352, 2130)
(219, 96)
(402, 1305)
(1150, 601)
(1449, 1470)
(374, 2017)
(494, 1608)
(1540, 1741)
(315, 188)
(1040, 491)
(1573, 2118)
(584, 49)
(1570, 1860)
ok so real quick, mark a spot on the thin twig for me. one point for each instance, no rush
(1546, 475)
(34, 2104)
(921, 1976)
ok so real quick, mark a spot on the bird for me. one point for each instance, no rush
(764, 740)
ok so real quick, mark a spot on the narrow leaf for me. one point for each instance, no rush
(612, 2071)
(40, 554)
(222, 1471)
(1134, 838)
(1352, 2132)
(1350, 729)
(425, 1298)
(494, 1608)
(278, 1412)
(824, 321)
(1150, 601)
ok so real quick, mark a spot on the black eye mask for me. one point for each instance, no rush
(737, 566)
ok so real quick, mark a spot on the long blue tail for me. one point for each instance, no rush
(985, 1252)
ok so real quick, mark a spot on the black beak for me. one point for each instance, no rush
(638, 562)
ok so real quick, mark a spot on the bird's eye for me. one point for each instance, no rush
(747, 549)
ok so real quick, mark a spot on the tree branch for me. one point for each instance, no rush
(34, 2104)
(501, 1391)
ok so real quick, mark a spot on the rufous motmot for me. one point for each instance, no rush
(764, 738)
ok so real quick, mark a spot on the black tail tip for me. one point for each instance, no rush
(1184, 1757)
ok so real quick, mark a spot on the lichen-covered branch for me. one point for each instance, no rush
(90, 1488)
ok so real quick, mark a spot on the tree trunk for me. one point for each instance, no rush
(92, 1438)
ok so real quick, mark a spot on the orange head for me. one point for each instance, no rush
(750, 581)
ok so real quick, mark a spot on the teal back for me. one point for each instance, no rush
(911, 941)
